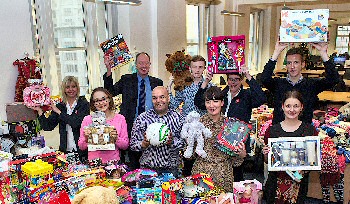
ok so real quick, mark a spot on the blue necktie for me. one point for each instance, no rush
(142, 97)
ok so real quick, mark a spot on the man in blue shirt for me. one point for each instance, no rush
(129, 86)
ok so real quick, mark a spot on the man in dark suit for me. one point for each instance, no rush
(136, 90)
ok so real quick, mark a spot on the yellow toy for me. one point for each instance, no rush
(38, 172)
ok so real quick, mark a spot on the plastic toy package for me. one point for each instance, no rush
(294, 153)
(304, 25)
(226, 54)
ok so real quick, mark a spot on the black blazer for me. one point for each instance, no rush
(128, 87)
(81, 110)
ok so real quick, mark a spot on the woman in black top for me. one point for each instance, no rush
(68, 115)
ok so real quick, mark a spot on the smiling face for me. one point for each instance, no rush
(197, 69)
(160, 100)
(101, 101)
(292, 108)
(143, 65)
(294, 66)
(71, 90)
(214, 107)
(234, 82)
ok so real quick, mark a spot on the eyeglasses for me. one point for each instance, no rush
(234, 80)
(97, 101)
(144, 63)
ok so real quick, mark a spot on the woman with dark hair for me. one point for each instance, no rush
(238, 102)
(280, 187)
(217, 164)
(68, 115)
(101, 100)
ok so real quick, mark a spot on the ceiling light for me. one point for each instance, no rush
(130, 2)
(231, 13)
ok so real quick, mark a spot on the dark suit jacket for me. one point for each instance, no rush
(128, 87)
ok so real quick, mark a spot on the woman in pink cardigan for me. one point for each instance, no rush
(101, 100)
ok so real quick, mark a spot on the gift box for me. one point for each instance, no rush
(304, 25)
(226, 54)
(17, 112)
(36, 95)
(294, 153)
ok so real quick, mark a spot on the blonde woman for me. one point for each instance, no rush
(68, 115)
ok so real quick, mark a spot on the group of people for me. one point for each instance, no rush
(145, 100)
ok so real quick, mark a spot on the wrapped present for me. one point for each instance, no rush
(17, 112)
(226, 54)
(234, 133)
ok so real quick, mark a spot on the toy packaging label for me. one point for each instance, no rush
(233, 133)
(116, 47)
(304, 25)
(17, 112)
(226, 54)
(294, 153)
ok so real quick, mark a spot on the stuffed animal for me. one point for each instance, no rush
(96, 195)
(157, 134)
(192, 131)
(178, 64)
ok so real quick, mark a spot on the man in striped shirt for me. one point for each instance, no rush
(164, 158)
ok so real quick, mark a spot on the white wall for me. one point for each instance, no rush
(16, 38)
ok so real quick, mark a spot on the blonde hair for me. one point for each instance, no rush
(66, 81)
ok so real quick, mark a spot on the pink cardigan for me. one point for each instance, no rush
(121, 143)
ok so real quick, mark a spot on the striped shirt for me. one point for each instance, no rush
(164, 156)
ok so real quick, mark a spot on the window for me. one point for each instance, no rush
(66, 36)
(192, 29)
(342, 40)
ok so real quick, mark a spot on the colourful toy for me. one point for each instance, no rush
(172, 189)
(38, 173)
(36, 95)
(247, 191)
(225, 54)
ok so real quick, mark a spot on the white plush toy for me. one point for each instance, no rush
(157, 134)
(192, 131)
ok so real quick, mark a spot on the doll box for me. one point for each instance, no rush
(225, 54)
(100, 138)
(304, 25)
(17, 112)
(294, 153)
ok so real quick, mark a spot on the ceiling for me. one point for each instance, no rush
(339, 9)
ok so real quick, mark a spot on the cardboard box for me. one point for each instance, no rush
(226, 54)
(304, 25)
(294, 153)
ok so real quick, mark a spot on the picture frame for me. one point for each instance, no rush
(304, 25)
(226, 54)
(294, 153)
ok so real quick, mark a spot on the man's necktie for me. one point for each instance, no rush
(142, 97)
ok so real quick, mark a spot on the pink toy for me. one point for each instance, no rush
(36, 95)
(247, 191)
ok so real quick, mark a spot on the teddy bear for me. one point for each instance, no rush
(178, 64)
(192, 131)
(96, 195)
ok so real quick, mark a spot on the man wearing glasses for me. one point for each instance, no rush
(136, 90)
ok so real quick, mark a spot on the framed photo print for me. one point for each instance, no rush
(294, 153)
(225, 54)
(304, 25)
